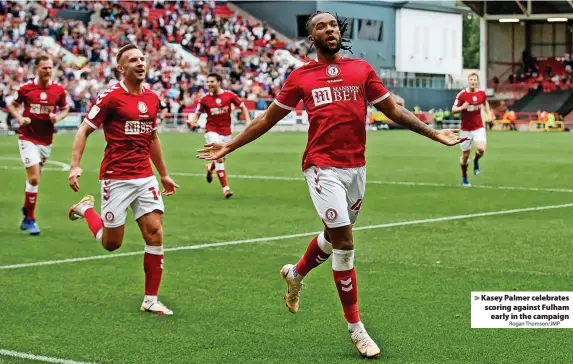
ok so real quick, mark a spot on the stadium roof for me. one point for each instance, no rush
(522, 10)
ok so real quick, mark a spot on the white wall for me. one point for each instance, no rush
(500, 41)
(501, 36)
(428, 42)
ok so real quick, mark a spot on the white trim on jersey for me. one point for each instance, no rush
(284, 106)
(89, 123)
(123, 86)
(36, 80)
(381, 98)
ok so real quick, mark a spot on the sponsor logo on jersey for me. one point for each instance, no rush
(219, 110)
(332, 70)
(328, 95)
(41, 109)
(136, 127)
(142, 107)
(93, 112)
(322, 96)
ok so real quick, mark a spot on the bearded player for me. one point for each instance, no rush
(217, 104)
(470, 102)
(335, 92)
(127, 112)
(41, 98)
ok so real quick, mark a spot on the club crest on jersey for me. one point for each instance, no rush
(142, 107)
(475, 98)
(332, 70)
(218, 101)
(43, 96)
(331, 215)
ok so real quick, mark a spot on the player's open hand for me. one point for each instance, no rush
(169, 186)
(25, 121)
(213, 151)
(465, 105)
(450, 137)
(75, 173)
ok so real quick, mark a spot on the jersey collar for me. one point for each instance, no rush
(123, 86)
(37, 82)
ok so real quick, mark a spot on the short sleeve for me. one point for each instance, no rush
(235, 100)
(459, 99)
(290, 94)
(375, 89)
(99, 112)
(200, 107)
(484, 96)
(63, 99)
(19, 98)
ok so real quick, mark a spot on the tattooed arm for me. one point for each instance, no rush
(405, 118)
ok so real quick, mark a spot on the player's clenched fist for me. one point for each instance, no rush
(25, 121)
(75, 173)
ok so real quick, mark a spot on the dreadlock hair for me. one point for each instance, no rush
(342, 26)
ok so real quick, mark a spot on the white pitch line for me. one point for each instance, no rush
(282, 237)
(399, 183)
(66, 167)
(16, 168)
(46, 359)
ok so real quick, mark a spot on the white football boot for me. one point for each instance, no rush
(155, 307)
(294, 285)
(77, 211)
(364, 343)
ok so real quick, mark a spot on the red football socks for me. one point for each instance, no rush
(313, 257)
(153, 268)
(346, 285)
(30, 201)
(94, 223)
(220, 168)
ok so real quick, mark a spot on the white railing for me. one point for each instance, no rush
(179, 121)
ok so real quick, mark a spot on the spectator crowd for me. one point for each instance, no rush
(245, 53)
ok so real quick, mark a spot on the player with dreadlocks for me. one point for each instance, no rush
(335, 92)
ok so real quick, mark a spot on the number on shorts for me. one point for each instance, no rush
(155, 193)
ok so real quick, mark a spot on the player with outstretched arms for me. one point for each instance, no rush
(335, 91)
(41, 98)
(470, 102)
(127, 112)
(217, 105)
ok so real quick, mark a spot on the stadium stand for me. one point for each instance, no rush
(249, 55)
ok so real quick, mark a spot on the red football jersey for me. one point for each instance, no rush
(218, 109)
(471, 117)
(38, 104)
(336, 96)
(128, 121)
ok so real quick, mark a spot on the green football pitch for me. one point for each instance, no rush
(423, 245)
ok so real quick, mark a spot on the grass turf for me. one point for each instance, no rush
(414, 281)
